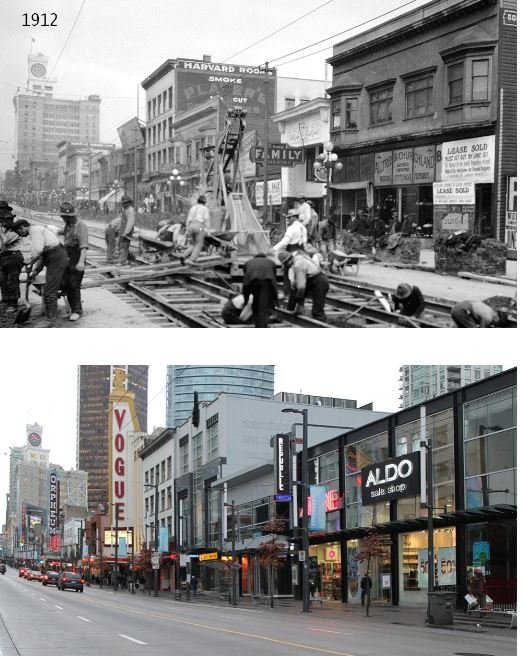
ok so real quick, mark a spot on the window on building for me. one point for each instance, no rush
(380, 102)
(149, 110)
(162, 500)
(455, 81)
(157, 474)
(163, 470)
(170, 97)
(212, 442)
(480, 77)
(310, 158)
(197, 452)
(169, 468)
(289, 103)
(169, 497)
(184, 457)
(154, 107)
(188, 154)
(159, 100)
(419, 96)
(351, 113)
(336, 114)
(165, 100)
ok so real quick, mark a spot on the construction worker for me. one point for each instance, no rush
(260, 281)
(111, 234)
(408, 300)
(126, 229)
(48, 252)
(327, 236)
(296, 234)
(304, 210)
(307, 279)
(11, 259)
(197, 224)
(76, 243)
(479, 314)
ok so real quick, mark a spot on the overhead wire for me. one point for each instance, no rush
(278, 30)
(68, 36)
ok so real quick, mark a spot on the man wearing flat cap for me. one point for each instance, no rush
(295, 236)
(76, 244)
(11, 259)
(48, 252)
(197, 225)
(126, 229)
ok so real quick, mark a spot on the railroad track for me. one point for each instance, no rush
(194, 298)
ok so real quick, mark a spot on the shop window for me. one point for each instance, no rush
(380, 103)
(336, 115)
(419, 97)
(310, 157)
(455, 83)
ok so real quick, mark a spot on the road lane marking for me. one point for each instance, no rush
(329, 631)
(139, 642)
(83, 618)
(59, 607)
(220, 629)
(42, 599)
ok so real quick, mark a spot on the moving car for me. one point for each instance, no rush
(34, 574)
(22, 572)
(70, 580)
(50, 578)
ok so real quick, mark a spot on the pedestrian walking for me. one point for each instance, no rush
(307, 280)
(366, 586)
(408, 300)
(111, 237)
(295, 236)
(76, 244)
(126, 229)
(260, 281)
(197, 225)
(477, 587)
(48, 252)
(11, 259)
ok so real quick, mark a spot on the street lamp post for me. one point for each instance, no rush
(234, 567)
(323, 165)
(305, 503)
(174, 178)
(116, 188)
(115, 582)
(155, 569)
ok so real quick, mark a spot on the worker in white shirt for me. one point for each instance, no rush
(295, 236)
(304, 209)
(307, 279)
(197, 225)
(46, 250)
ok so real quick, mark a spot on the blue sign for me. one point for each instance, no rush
(283, 497)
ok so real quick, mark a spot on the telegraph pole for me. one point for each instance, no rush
(266, 143)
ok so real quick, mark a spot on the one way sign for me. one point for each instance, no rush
(279, 154)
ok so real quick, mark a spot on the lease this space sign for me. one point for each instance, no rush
(391, 479)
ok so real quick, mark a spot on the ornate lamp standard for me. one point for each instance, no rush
(173, 179)
(84, 191)
(116, 188)
(323, 165)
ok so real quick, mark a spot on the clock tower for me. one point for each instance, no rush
(34, 435)
(38, 80)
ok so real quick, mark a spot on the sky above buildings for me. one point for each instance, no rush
(43, 390)
(108, 48)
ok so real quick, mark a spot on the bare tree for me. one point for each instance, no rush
(271, 552)
(372, 545)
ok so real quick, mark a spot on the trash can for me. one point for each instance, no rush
(441, 607)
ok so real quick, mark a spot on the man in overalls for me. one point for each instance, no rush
(76, 244)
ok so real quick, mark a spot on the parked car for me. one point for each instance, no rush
(34, 574)
(71, 580)
(2, 568)
(50, 578)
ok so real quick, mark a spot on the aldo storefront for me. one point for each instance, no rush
(382, 485)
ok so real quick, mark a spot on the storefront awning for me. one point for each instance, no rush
(363, 184)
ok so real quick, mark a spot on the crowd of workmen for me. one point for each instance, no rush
(307, 249)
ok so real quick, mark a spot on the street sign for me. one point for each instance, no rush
(279, 154)
(213, 555)
(283, 497)
(155, 559)
(301, 556)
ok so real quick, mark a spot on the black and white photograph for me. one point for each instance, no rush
(264, 164)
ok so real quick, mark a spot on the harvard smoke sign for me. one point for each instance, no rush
(392, 479)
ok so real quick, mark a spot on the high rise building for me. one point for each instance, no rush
(419, 383)
(182, 381)
(92, 447)
(42, 121)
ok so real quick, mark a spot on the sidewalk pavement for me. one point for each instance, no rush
(379, 613)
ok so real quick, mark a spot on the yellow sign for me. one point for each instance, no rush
(209, 556)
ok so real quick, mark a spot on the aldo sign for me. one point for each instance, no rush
(392, 479)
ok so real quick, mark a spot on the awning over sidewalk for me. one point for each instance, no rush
(109, 198)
